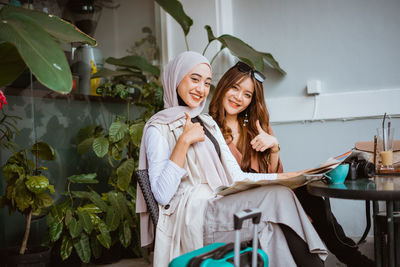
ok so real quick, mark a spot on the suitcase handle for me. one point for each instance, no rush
(238, 218)
(241, 216)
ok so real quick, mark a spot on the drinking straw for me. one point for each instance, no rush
(383, 133)
(388, 137)
(375, 144)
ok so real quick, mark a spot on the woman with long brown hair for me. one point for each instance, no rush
(239, 108)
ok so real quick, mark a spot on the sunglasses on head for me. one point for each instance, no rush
(243, 67)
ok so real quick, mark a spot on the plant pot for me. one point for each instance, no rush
(33, 257)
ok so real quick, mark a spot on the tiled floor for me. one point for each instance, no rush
(366, 248)
(129, 263)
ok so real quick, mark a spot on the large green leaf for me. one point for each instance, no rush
(80, 194)
(117, 131)
(85, 145)
(55, 216)
(43, 200)
(55, 230)
(66, 247)
(37, 184)
(11, 65)
(104, 237)
(87, 178)
(175, 9)
(112, 73)
(125, 234)
(100, 146)
(136, 132)
(135, 62)
(21, 196)
(68, 217)
(59, 28)
(90, 208)
(75, 228)
(12, 171)
(84, 219)
(122, 144)
(44, 151)
(82, 247)
(112, 218)
(96, 199)
(269, 58)
(116, 153)
(40, 52)
(244, 51)
(118, 202)
(124, 174)
(96, 247)
(86, 132)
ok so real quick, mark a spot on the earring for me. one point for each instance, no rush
(246, 120)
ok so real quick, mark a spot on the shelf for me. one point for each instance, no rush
(49, 94)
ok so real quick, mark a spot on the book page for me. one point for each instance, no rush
(297, 180)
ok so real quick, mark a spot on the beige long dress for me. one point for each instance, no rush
(196, 217)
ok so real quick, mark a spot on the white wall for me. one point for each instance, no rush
(351, 46)
(119, 28)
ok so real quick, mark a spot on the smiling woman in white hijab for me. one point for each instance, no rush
(185, 167)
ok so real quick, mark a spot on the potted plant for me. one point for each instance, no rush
(27, 189)
(28, 192)
(88, 223)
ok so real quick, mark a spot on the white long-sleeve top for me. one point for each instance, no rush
(165, 176)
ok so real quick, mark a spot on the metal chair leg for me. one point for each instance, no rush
(377, 235)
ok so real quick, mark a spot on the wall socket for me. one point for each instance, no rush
(314, 87)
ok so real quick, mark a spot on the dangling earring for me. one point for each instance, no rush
(246, 120)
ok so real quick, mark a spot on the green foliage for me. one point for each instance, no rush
(235, 45)
(26, 189)
(112, 215)
(175, 9)
(8, 130)
(87, 223)
(33, 36)
(244, 51)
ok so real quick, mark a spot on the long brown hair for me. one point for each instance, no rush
(257, 110)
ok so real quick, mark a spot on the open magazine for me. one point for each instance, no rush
(300, 179)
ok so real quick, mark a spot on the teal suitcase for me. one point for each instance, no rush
(222, 254)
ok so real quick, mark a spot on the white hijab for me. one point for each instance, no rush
(173, 74)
